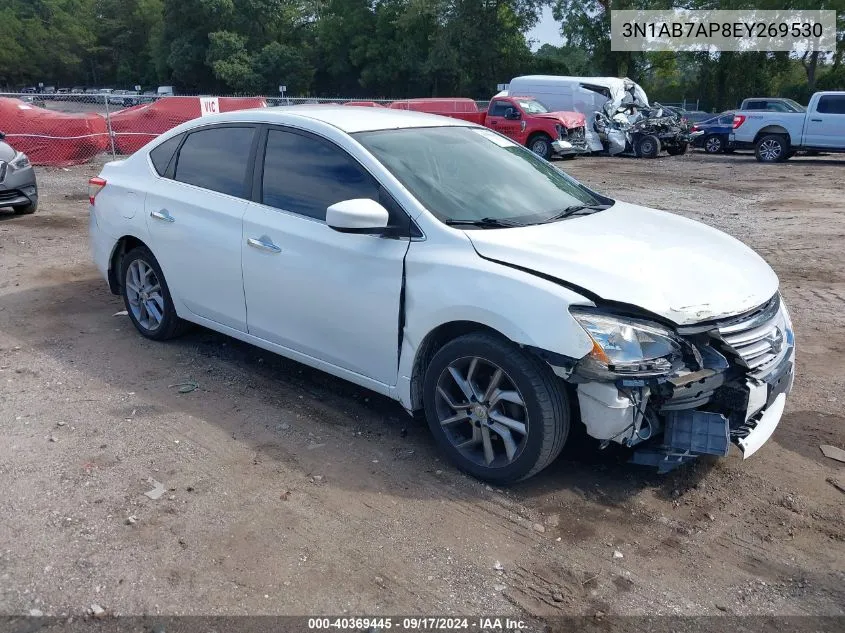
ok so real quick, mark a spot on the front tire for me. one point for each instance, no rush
(497, 411)
(541, 144)
(147, 297)
(772, 148)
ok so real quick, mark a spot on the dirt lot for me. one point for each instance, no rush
(291, 492)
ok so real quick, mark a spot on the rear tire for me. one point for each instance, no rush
(461, 407)
(648, 146)
(713, 144)
(772, 148)
(677, 150)
(26, 209)
(147, 297)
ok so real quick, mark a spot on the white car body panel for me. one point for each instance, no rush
(204, 235)
(680, 269)
(329, 295)
(335, 301)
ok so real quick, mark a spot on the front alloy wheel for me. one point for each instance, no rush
(481, 411)
(497, 410)
(541, 145)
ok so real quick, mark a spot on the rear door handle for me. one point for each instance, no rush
(816, 120)
(264, 243)
(164, 215)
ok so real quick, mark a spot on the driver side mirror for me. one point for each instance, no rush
(359, 215)
(512, 114)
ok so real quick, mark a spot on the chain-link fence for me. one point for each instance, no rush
(72, 127)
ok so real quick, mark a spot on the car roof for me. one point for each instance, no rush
(349, 119)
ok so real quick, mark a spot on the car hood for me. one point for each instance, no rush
(680, 269)
(569, 119)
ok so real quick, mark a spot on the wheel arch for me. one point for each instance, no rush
(535, 134)
(431, 343)
(772, 129)
(121, 247)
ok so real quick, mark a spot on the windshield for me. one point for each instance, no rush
(530, 106)
(464, 174)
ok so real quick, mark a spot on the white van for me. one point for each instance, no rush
(586, 95)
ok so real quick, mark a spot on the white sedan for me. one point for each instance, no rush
(445, 266)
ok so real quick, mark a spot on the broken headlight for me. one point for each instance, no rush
(20, 161)
(627, 347)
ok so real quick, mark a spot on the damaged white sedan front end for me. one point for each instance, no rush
(680, 393)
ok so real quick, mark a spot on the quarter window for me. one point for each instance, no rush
(162, 154)
(217, 158)
(306, 175)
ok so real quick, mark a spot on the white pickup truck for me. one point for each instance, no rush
(776, 136)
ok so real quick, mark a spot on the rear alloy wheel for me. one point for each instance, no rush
(771, 148)
(648, 146)
(498, 412)
(147, 298)
(714, 144)
(541, 145)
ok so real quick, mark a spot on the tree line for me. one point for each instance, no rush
(376, 48)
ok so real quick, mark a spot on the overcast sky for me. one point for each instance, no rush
(547, 30)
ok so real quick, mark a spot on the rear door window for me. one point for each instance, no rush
(217, 158)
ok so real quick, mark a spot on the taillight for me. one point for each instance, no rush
(694, 128)
(95, 186)
(739, 119)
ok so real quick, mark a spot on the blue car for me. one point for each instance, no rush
(712, 134)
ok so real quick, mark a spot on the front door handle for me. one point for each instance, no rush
(164, 215)
(264, 243)
(816, 120)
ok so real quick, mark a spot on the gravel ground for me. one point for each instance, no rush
(287, 491)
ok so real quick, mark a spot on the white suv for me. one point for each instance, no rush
(445, 266)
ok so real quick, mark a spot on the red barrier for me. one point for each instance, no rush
(136, 126)
(52, 138)
(453, 107)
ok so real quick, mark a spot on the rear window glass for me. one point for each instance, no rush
(162, 154)
(216, 159)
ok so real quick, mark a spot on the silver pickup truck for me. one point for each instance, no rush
(776, 136)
